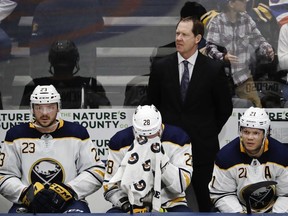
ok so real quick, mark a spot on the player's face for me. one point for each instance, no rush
(252, 139)
(45, 114)
(186, 41)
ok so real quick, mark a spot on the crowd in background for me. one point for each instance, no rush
(63, 20)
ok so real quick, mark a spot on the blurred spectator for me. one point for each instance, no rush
(283, 59)
(283, 47)
(75, 91)
(235, 29)
(65, 19)
(265, 21)
(16, 24)
(6, 7)
(79, 21)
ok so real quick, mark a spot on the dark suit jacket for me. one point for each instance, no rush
(207, 107)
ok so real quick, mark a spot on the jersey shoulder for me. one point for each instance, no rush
(71, 129)
(230, 155)
(170, 133)
(121, 139)
(277, 152)
(20, 131)
(175, 135)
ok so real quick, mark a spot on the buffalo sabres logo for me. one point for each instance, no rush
(140, 186)
(147, 165)
(263, 198)
(46, 171)
(21, 210)
(156, 147)
(133, 158)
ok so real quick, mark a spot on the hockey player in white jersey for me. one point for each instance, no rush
(149, 166)
(248, 162)
(49, 165)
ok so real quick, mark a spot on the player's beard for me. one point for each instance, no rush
(45, 123)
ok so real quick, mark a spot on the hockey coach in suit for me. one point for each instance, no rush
(203, 111)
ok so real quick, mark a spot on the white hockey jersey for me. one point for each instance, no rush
(66, 155)
(177, 175)
(234, 170)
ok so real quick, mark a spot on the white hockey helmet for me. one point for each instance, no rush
(147, 120)
(255, 117)
(45, 94)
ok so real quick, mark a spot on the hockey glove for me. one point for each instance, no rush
(61, 196)
(118, 198)
(125, 204)
(37, 198)
(28, 195)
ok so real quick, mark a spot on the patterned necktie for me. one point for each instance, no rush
(185, 80)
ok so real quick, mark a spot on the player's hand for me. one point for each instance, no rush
(38, 199)
(29, 193)
(125, 204)
(61, 195)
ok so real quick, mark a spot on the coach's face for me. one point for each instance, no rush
(186, 41)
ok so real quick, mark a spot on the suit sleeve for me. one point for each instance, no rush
(222, 97)
(154, 84)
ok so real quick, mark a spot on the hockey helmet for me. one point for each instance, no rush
(255, 117)
(45, 94)
(147, 120)
(64, 53)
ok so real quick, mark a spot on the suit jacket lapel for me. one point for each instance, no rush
(175, 77)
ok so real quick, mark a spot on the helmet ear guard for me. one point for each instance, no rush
(147, 120)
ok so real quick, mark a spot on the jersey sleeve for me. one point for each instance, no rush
(112, 192)
(11, 185)
(280, 206)
(177, 167)
(90, 170)
(223, 191)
